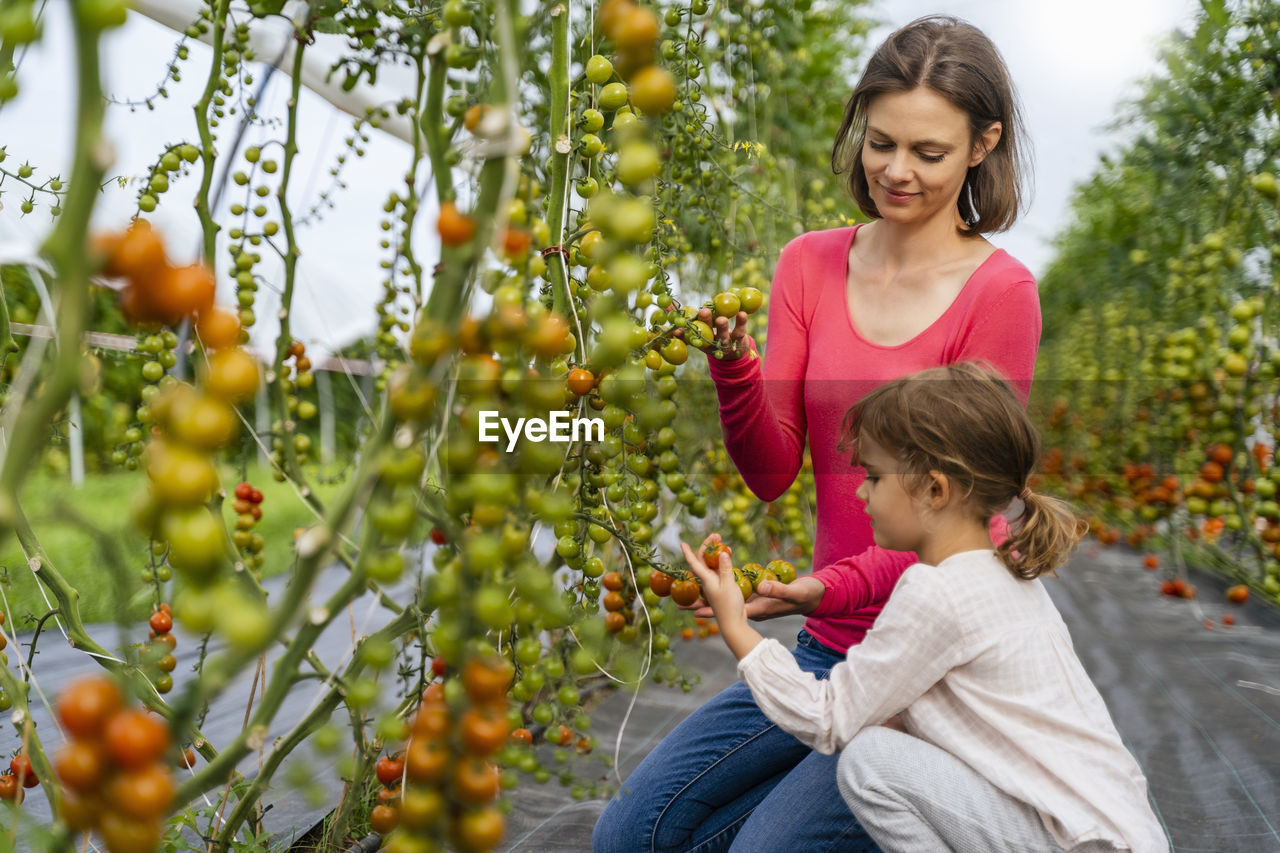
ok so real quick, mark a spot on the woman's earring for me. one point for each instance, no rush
(972, 218)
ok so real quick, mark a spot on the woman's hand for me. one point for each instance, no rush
(733, 340)
(775, 598)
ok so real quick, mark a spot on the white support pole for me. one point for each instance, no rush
(75, 438)
(328, 436)
(262, 423)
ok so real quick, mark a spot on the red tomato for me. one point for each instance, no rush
(161, 622)
(685, 592)
(389, 769)
(660, 583)
(20, 767)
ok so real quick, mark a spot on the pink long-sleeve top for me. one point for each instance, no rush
(817, 366)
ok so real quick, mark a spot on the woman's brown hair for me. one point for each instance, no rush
(958, 61)
(967, 422)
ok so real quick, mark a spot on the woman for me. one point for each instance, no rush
(931, 145)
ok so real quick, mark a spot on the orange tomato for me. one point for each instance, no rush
(581, 381)
(138, 254)
(480, 830)
(180, 476)
(486, 680)
(383, 819)
(85, 706)
(473, 116)
(455, 228)
(636, 30)
(178, 292)
(421, 807)
(483, 729)
(124, 834)
(145, 794)
(80, 765)
(231, 374)
(611, 14)
(136, 738)
(653, 90)
(218, 328)
(432, 720)
(426, 759)
(475, 781)
(516, 242)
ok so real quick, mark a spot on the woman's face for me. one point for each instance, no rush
(916, 155)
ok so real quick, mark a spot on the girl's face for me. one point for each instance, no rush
(895, 513)
(916, 154)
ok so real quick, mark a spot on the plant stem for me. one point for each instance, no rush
(283, 340)
(561, 145)
(203, 210)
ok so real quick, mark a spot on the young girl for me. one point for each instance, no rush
(1003, 741)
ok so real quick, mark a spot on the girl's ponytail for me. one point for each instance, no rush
(1040, 539)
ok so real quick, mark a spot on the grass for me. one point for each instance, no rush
(105, 501)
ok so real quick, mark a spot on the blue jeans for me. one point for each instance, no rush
(727, 778)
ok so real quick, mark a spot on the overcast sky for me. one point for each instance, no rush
(1073, 64)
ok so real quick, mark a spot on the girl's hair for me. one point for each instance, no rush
(958, 61)
(965, 421)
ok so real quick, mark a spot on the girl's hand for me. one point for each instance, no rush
(719, 589)
(735, 340)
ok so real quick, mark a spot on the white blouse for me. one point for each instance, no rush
(980, 664)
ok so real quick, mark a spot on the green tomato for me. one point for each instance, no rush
(613, 96)
(599, 70)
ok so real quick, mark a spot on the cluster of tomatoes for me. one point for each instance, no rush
(295, 377)
(248, 509)
(685, 591)
(189, 424)
(445, 782)
(19, 776)
(158, 658)
(114, 770)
